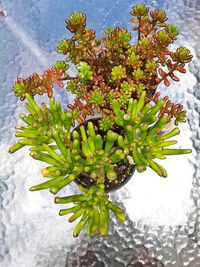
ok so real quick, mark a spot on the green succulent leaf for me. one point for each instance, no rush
(84, 71)
(140, 10)
(118, 73)
(76, 22)
(64, 46)
(61, 65)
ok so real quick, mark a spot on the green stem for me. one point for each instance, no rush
(51, 152)
(91, 129)
(140, 103)
(27, 119)
(47, 184)
(157, 168)
(83, 133)
(27, 134)
(63, 212)
(30, 109)
(130, 105)
(101, 178)
(75, 135)
(134, 109)
(80, 226)
(176, 151)
(98, 142)
(67, 180)
(68, 199)
(86, 149)
(41, 148)
(15, 147)
(156, 108)
(146, 108)
(138, 162)
(45, 158)
(167, 143)
(59, 143)
(116, 109)
(95, 226)
(103, 219)
(76, 215)
(33, 103)
(91, 144)
(174, 132)
(117, 156)
(111, 137)
(68, 121)
(129, 133)
(117, 211)
(90, 222)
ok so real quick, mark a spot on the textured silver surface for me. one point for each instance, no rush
(163, 226)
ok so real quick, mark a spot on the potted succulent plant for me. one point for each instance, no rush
(116, 122)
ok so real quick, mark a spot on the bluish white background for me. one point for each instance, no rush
(31, 232)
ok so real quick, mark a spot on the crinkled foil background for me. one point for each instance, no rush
(163, 216)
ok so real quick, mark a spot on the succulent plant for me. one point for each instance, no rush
(105, 65)
(48, 132)
(93, 205)
(143, 139)
(38, 84)
(117, 80)
(84, 71)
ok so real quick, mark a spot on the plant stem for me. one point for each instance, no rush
(139, 25)
(101, 178)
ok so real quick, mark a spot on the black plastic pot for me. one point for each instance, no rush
(124, 169)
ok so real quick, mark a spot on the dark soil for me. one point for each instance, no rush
(124, 173)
